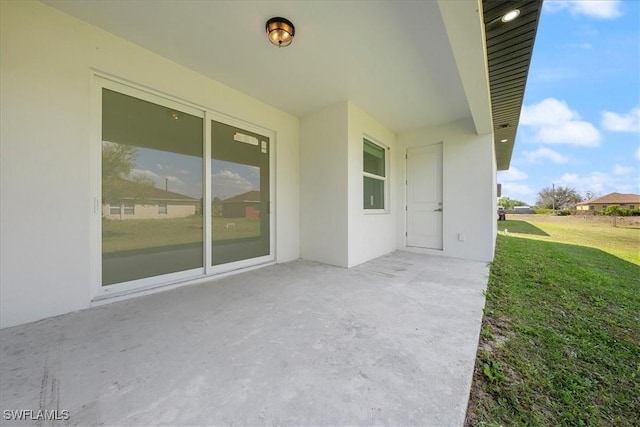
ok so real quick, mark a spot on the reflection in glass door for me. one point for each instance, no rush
(239, 194)
(152, 192)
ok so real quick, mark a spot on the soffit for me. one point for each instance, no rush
(509, 51)
(391, 58)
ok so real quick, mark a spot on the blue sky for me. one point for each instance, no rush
(580, 121)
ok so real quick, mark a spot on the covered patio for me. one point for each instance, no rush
(390, 342)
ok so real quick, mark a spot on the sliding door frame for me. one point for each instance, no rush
(100, 81)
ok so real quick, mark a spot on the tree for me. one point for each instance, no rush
(118, 161)
(216, 206)
(509, 204)
(558, 198)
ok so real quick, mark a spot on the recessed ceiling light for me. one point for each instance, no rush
(504, 140)
(511, 15)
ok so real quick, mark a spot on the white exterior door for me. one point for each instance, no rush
(424, 197)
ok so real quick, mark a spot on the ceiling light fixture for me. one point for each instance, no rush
(280, 31)
(504, 140)
(511, 15)
(174, 115)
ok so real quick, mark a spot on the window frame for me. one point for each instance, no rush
(129, 208)
(385, 179)
(115, 210)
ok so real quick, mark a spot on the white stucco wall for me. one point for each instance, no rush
(469, 189)
(323, 186)
(46, 200)
(334, 227)
(370, 235)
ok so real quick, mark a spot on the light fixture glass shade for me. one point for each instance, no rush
(511, 15)
(280, 31)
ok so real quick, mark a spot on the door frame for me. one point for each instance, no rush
(406, 192)
(242, 264)
(100, 80)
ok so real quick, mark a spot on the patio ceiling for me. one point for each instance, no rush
(509, 50)
(396, 60)
(391, 59)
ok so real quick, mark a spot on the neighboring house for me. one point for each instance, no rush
(598, 204)
(374, 131)
(245, 205)
(157, 204)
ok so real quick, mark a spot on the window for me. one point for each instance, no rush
(162, 208)
(114, 209)
(592, 208)
(129, 209)
(375, 175)
(632, 206)
(604, 207)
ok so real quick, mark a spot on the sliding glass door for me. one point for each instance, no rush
(181, 196)
(239, 194)
(152, 220)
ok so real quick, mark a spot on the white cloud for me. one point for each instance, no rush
(637, 154)
(578, 133)
(600, 183)
(595, 182)
(555, 123)
(174, 179)
(629, 122)
(171, 168)
(545, 153)
(159, 181)
(599, 9)
(145, 173)
(548, 112)
(622, 170)
(553, 74)
(513, 174)
(520, 192)
(227, 184)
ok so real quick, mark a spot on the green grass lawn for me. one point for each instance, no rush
(137, 234)
(622, 241)
(560, 338)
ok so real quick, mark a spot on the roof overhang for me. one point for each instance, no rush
(463, 24)
(509, 47)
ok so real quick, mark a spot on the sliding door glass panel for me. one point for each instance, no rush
(152, 158)
(239, 194)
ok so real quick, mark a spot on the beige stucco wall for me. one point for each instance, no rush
(174, 210)
(597, 207)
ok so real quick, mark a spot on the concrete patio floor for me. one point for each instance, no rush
(390, 342)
